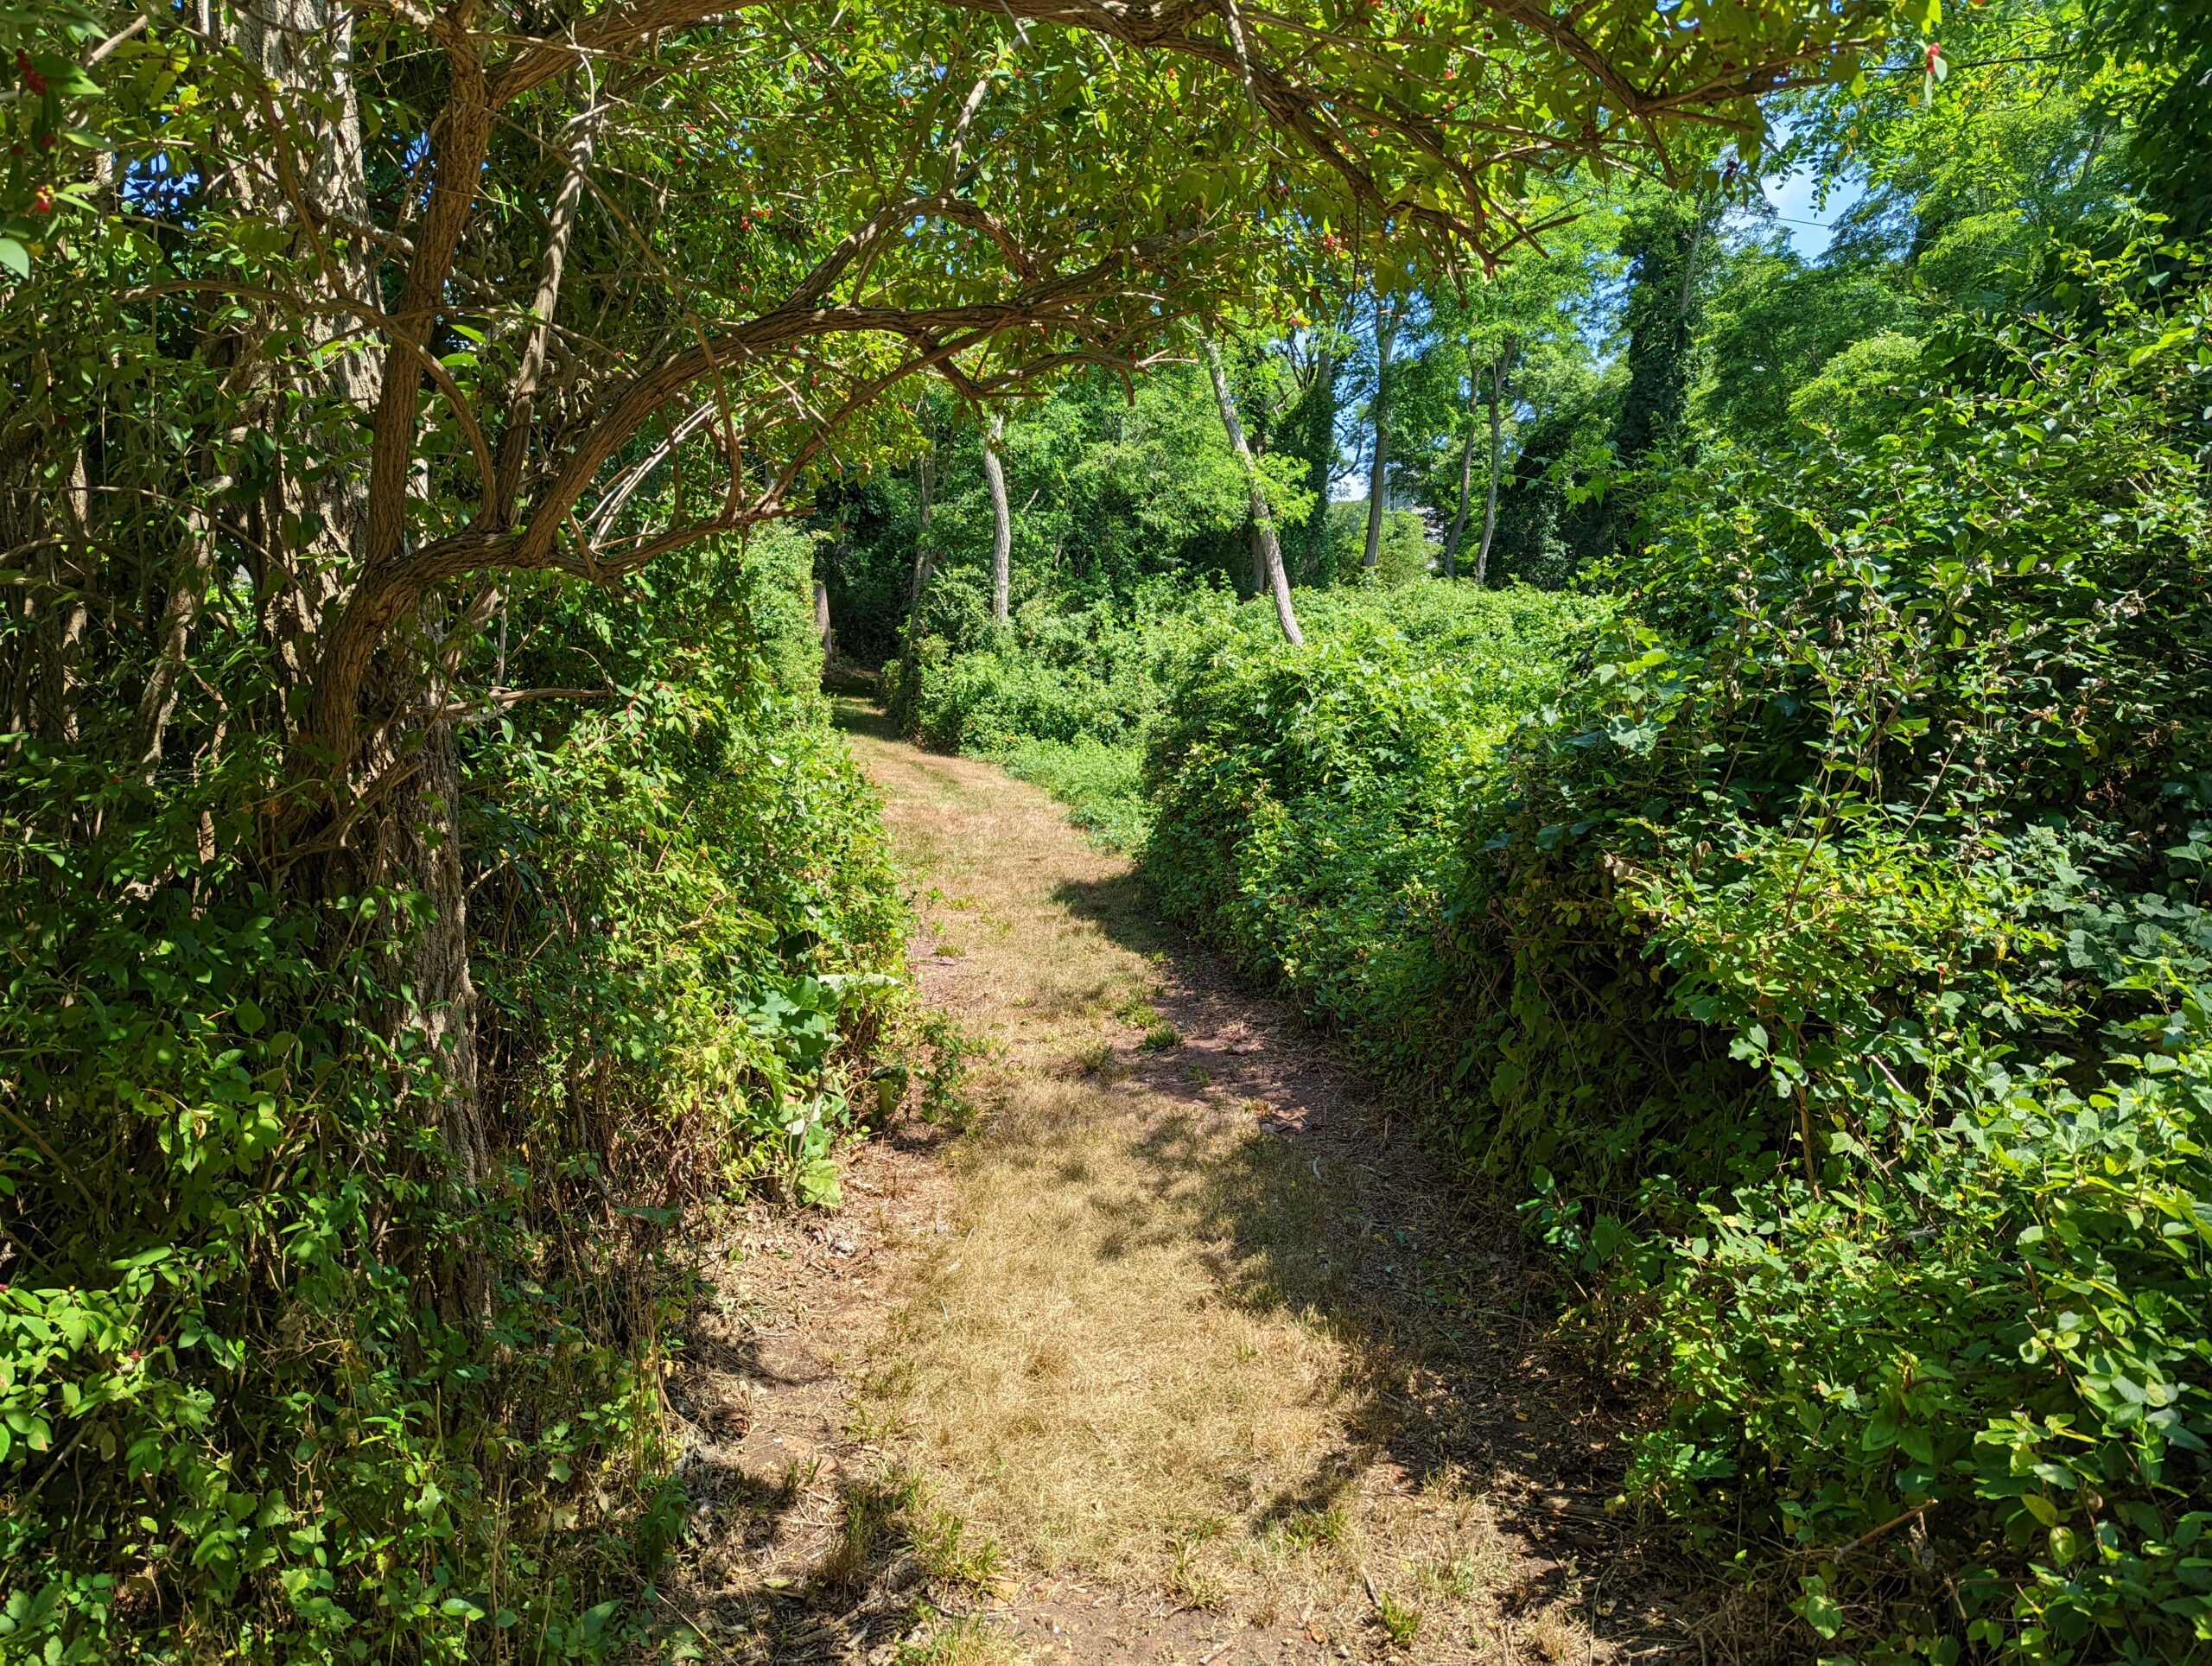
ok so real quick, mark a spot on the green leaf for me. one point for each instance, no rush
(1818, 1609)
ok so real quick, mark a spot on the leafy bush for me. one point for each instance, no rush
(1097, 672)
(235, 1420)
(1830, 961)
(1827, 951)
(1308, 803)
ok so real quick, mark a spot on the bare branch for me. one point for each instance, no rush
(514, 440)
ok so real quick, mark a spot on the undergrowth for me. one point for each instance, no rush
(1814, 929)
(289, 1370)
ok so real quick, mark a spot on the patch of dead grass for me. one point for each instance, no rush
(1131, 1363)
(1078, 1381)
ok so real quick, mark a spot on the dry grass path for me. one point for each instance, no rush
(1183, 1353)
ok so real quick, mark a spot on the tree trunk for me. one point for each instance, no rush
(410, 840)
(1496, 466)
(822, 631)
(918, 581)
(1386, 326)
(1309, 432)
(419, 841)
(1467, 471)
(1267, 548)
(1001, 521)
(305, 49)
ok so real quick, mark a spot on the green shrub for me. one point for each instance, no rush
(1096, 673)
(1830, 961)
(1308, 803)
(246, 1411)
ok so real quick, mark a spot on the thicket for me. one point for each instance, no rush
(274, 1384)
(1828, 953)
(1307, 803)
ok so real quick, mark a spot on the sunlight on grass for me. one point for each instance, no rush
(1101, 785)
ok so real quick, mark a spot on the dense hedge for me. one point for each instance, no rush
(1827, 951)
(1098, 672)
(244, 1411)
(1833, 964)
(1307, 803)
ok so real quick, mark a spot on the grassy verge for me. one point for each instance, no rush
(1100, 783)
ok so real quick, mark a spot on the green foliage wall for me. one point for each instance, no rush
(234, 1418)
(1307, 803)
(1826, 951)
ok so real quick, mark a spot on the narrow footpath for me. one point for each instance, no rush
(1184, 1351)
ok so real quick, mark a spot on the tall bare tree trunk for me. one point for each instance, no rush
(1386, 329)
(906, 691)
(1267, 547)
(824, 633)
(1467, 470)
(1313, 537)
(1001, 521)
(316, 176)
(1496, 465)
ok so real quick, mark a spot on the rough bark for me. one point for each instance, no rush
(409, 839)
(195, 570)
(315, 176)
(514, 441)
(418, 847)
(1267, 547)
(1001, 521)
(822, 630)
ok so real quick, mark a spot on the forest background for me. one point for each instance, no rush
(1742, 765)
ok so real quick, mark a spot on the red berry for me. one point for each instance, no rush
(32, 78)
(42, 200)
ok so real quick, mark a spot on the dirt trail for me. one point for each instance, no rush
(1184, 1354)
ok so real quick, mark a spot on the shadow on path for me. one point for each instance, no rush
(1342, 1209)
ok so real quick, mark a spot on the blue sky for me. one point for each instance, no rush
(1807, 226)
